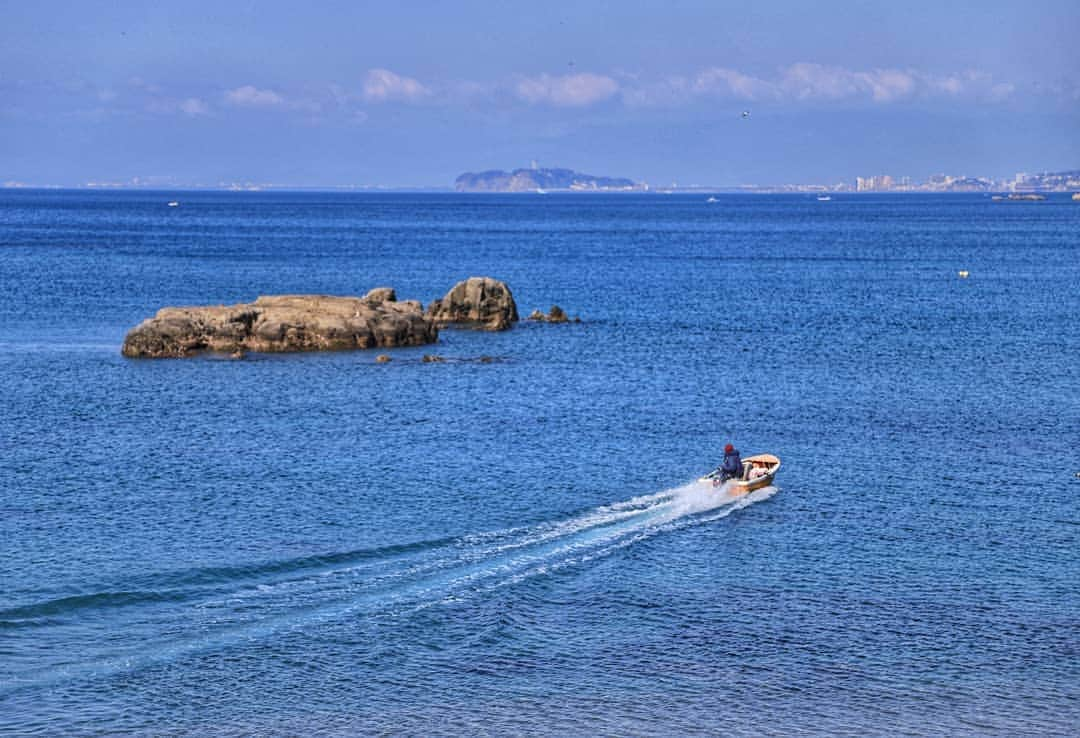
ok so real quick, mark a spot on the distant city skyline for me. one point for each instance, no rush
(414, 94)
(1060, 181)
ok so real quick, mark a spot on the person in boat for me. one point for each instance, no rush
(731, 468)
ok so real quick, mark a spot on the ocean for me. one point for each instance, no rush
(319, 544)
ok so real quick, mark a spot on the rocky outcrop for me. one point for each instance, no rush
(380, 295)
(440, 359)
(284, 323)
(555, 315)
(478, 302)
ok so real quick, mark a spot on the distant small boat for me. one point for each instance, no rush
(174, 204)
(540, 191)
(824, 198)
(1076, 196)
(758, 471)
(712, 199)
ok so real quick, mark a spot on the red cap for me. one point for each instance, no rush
(728, 449)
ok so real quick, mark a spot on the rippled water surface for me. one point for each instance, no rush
(319, 544)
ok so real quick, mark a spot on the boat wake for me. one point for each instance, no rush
(159, 618)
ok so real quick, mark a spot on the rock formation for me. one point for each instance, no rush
(321, 323)
(380, 295)
(478, 302)
(284, 323)
(555, 315)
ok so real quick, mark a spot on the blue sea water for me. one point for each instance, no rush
(318, 544)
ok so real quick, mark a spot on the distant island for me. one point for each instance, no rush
(542, 180)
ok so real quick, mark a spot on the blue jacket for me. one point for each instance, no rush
(732, 465)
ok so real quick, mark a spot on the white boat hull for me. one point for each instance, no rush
(768, 463)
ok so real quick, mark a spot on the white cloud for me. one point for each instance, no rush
(808, 82)
(887, 85)
(667, 92)
(799, 82)
(251, 96)
(193, 106)
(805, 81)
(189, 106)
(802, 83)
(949, 85)
(718, 82)
(571, 90)
(382, 85)
(731, 83)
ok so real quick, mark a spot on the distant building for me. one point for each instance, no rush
(880, 183)
(1047, 182)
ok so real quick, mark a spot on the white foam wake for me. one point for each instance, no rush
(246, 610)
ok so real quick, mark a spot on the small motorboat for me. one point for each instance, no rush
(174, 204)
(824, 198)
(758, 471)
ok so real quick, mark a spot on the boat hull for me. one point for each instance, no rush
(741, 486)
(768, 462)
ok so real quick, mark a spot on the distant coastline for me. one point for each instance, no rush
(543, 181)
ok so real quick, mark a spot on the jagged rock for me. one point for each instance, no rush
(479, 302)
(433, 359)
(380, 295)
(555, 315)
(282, 323)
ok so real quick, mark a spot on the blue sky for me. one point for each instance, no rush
(413, 93)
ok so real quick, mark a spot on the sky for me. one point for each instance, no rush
(413, 93)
